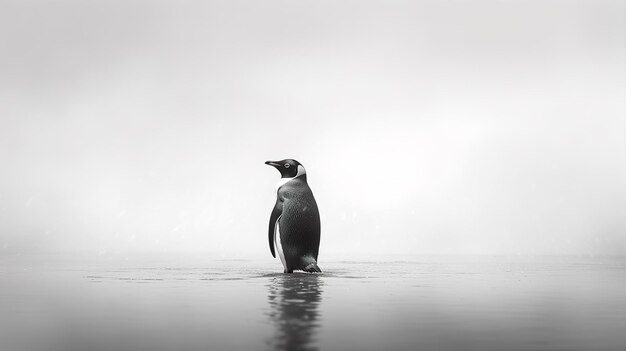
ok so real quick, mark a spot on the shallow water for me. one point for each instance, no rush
(425, 303)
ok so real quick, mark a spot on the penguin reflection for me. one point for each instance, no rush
(294, 301)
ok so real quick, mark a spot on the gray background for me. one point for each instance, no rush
(491, 127)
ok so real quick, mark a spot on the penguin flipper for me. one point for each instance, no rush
(276, 212)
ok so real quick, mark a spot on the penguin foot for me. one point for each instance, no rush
(312, 268)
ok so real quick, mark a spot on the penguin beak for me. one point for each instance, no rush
(272, 163)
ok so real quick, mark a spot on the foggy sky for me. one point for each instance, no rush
(425, 127)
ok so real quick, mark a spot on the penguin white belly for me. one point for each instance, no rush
(278, 244)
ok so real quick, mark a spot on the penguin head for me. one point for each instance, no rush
(288, 168)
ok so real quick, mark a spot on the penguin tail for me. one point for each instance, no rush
(310, 265)
(312, 268)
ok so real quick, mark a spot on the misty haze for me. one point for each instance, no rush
(468, 160)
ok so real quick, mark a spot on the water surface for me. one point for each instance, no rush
(410, 303)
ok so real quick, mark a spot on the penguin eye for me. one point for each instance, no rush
(287, 165)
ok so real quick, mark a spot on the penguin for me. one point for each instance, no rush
(295, 220)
